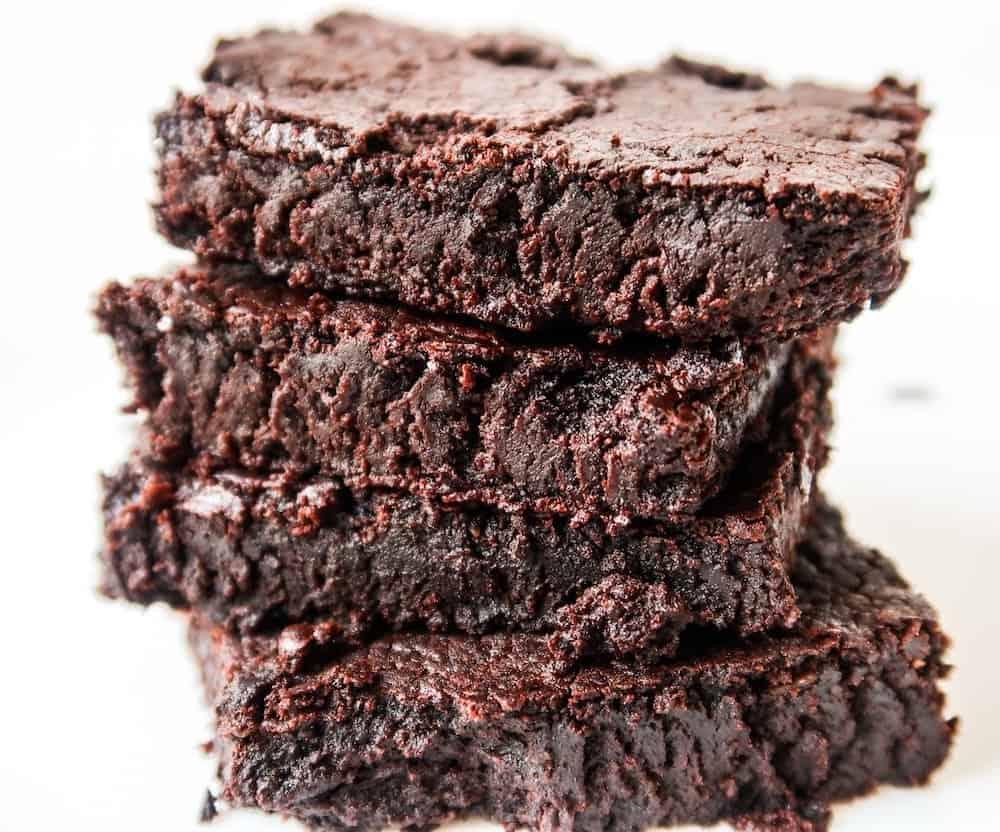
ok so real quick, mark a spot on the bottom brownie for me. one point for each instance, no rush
(414, 730)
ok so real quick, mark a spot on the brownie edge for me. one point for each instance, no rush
(415, 730)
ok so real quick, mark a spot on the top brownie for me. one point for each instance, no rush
(503, 179)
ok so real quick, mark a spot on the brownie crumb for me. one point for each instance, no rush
(818, 820)
(208, 809)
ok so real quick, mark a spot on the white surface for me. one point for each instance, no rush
(101, 712)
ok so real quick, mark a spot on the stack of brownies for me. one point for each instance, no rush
(482, 440)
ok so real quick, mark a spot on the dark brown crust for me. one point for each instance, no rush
(412, 730)
(240, 373)
(253, 553)
(506, 181)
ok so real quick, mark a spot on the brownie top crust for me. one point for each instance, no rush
(357, 81)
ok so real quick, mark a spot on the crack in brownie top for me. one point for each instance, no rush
(355, 82)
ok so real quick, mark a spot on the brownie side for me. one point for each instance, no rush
(267, 379)
(256, 553)
(538, 191)
(415, 730)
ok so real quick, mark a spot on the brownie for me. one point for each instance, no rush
(417, 729)
(254, 553)
(266, 378)
(503, 179)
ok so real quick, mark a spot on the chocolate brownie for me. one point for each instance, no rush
(414, 730)
(266, 378)
(255, 553)
(502, 179)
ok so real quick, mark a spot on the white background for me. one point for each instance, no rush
(100, 711)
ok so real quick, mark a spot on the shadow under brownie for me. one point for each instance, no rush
(503, 179)
(415, 730)
(254, 553)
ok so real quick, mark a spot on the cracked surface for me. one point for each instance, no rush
(413, 730)
(254, 553)
(243, 374)
(502, 179)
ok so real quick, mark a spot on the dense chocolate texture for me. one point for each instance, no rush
(502, 179)
(255, 553)
(415, 730)
(267, 379)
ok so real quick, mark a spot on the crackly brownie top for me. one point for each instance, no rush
(356, 84)
(852, 599)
